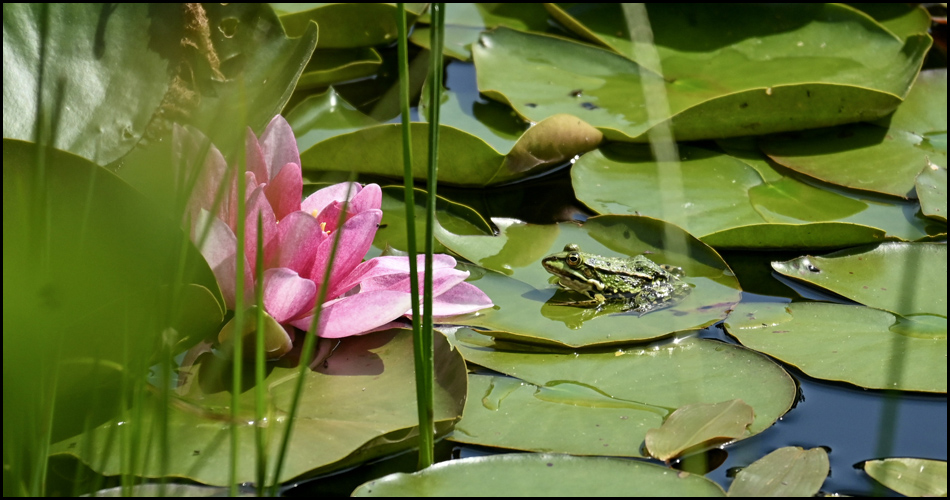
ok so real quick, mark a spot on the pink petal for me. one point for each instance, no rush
(257, 203)
(316, 202)
(284, 190)
(443, 280)
(286, 294)
(356, 236)
(358, 314)
(330, 216)
(279, 146)
(207, 173)
(369, 198)
(255, 158)
(463, 298)
(391, 265)
(298, 238)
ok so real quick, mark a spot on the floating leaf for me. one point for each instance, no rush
(591, 396)
(777, 68)
(517, 253)
(329, 66)
(695, 425)
(856, 344)
(903, 278)
(883, 157)
(931, 188)
(357, 404)
(737, 200)
(786, 472)
(531, 474)
(902, 19)
(914, 477)
(465, 21)
(346, 25)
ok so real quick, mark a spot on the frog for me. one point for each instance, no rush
(635, 283)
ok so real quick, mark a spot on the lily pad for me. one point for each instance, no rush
(695, 425)
(903, 278)
(530, 474)
(335, 136)
(523, 285)
(102, 60)
(786, 472)
(931, 187)
(883, 157)
(346, 25)
(902, 19)
(606, 401)
(358, 403)
(778, 68)
(104, 285)
(914, 477)
(856, 344)
(329, 66)
(738, 200)
(465, 21)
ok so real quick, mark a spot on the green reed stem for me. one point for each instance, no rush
(237, 361)
(310, 339)
(259, 391)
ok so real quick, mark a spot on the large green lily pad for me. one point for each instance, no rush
(476, 147)
(738, 200)
(527, 306)
(605, 401)
(856, 344)
(358, 403)
(914, 477)
(883, 157)
(778, 68)
(104, 284)
(530, 474)
(786, 472)
(903, 278)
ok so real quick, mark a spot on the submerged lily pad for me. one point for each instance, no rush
(333, 135)
(357, 403)
(738, 200)
(914, 477)
(786, 472)
(777, 68)
(606, 401)
(883, 157)
(531, 474)
(695, 425)
(523, 286)
(932, 191)
(856, 344)
(903, 278)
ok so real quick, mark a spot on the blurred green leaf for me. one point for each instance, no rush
(523, 286)
(903, 278)
(883, 157)
(777, 68)
(914, 477)
(931, 186)
(738, 200)
(786, 472)
(531, 474)
(590, 397)
(357, 404)
(701, 424)
(856, 344)
(902, 19)
(346, 25)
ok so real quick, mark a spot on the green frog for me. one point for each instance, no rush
(637, 283)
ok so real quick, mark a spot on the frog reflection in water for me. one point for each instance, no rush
(635, 283)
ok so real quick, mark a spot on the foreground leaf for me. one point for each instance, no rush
(786, 472)
(529, 308)
(589, 395)
(914, 477)
(903, 278)
(528, 474)
(358, 403)
(856, 344)
(695, 425)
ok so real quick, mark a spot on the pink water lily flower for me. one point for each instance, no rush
(297, 239)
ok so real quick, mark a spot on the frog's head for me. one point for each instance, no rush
(570, 270)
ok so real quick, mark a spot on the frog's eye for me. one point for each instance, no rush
(573, 259)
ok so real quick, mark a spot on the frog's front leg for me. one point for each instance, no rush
(597, 300)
